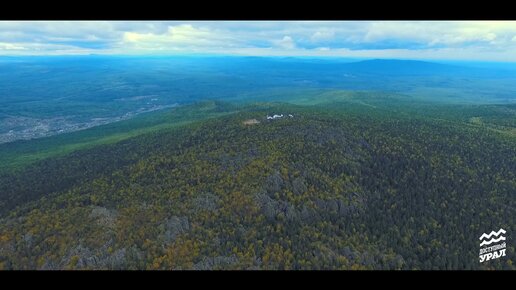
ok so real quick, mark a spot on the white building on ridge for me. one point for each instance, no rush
(275, 116)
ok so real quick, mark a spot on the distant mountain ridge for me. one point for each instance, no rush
(409, 67)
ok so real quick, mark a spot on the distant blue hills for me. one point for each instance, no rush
(99, 79)
(394, 66)
(419, 68)
(371, 66)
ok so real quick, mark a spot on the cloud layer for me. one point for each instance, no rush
(473, 40)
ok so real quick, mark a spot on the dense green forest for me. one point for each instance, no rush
(350, 181)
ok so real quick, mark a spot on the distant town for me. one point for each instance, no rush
(14, 128)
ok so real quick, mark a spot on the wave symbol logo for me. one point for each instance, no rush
(497, 237)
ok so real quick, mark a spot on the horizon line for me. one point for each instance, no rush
(257, 56)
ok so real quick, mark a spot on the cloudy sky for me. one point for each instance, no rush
(464, 40)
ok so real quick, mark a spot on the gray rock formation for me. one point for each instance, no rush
(274, 182)
(272, 208)
(219, 262)
(104, 217)
(205, 201)
(173, 227)
(299, 186)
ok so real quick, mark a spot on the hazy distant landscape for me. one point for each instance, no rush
(44, 96)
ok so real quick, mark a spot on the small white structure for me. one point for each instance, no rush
(274, 117)
(278, 116)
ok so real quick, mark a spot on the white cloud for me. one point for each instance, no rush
(322, 35)
(447, 33)
(77, 30)
(286, 43)
(11, 46)
(184, 36)
(487, 40)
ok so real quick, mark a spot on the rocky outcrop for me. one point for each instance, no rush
(205, 202)
(219, 262)
(104, 217)
(274, 182)
(81, 257)
(272, 208)
(173, 227)
(299, 186)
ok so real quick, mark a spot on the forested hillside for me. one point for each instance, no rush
(341, 185)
